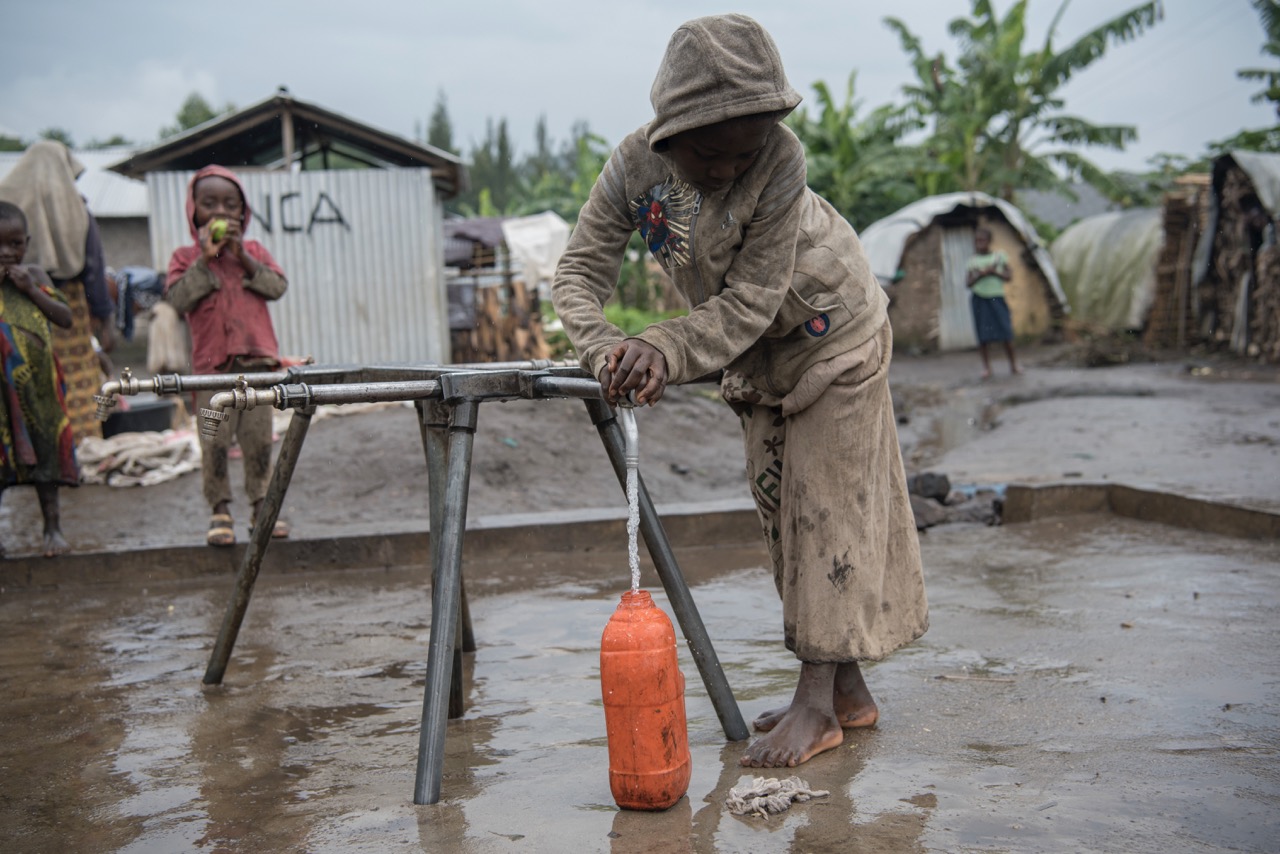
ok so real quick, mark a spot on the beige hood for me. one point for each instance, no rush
(717, 68)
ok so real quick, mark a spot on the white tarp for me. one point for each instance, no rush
(536, 243)
(1107, 264)
(885, 239)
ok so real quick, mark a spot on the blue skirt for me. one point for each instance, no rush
(991, 319)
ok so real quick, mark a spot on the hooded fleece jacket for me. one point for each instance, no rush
(225, 308)
(776, 279)
(783, 300)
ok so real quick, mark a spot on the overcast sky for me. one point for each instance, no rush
(97, 69)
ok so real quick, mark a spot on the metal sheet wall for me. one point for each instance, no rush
(362, 252)
(955, 315)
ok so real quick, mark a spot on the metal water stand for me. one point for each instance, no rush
(448, 400)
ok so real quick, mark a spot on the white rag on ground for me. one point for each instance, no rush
(769, 795)
(146, 458)
(138, 459)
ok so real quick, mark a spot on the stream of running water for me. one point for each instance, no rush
(628, 416)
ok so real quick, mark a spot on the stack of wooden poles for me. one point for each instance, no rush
(508, 327)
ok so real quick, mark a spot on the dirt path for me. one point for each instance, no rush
(1213, 431)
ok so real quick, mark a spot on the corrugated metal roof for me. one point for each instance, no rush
(283, 131)
(109, 194)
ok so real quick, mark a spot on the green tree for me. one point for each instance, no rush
(996, 115)
(1268, 138)
(565, 180)
(109, 142)
(12, 143)
(859, 165)
(61, 135)
(1269, 15)
(193, 112)
(543, 161)
(440, 129)
(495, 182)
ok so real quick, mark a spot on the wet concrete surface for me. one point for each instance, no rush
(1088, 683)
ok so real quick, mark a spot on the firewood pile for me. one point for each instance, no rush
(1264, 321)
(505, 326)
(1171, 320)
(1239, 300)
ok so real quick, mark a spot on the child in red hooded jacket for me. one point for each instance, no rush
(222, 284)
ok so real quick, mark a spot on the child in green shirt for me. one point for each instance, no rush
(987, 273)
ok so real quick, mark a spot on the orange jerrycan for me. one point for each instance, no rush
(643, 689)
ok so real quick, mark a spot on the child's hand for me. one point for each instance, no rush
(22, 279)
(234, 243)
(633, 365)
(209, 247)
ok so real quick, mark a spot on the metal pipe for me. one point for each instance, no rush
(163, 384)
(551, 385)
(627, 414)
(664, 561)
(433, 424)
(446, 581)
(302, 396)
(251, 563)
(296, 395)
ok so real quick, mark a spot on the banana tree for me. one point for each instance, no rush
(859, 165)
(1269, 14)
(997, 114)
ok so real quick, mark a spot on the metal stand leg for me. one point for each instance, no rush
(695, 633)
(433, 421)
(290, 448)
(445, 596)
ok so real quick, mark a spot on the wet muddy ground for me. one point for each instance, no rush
(1212, 429)
(1088, 683)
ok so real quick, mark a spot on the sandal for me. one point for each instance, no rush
(221, 532)
(279, 531)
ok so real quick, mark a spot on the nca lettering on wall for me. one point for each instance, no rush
(292, 212)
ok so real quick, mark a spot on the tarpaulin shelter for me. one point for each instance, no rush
(1107, 267)
(919, 256)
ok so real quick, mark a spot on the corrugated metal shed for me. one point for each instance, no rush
(362, 252)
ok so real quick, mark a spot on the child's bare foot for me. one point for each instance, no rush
(810, 724)
(851, 702)
(55, 544)
(799, 735)
(850, 716)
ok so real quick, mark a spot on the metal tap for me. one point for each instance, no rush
(627, 414)
(106, 396)
(240, 397)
